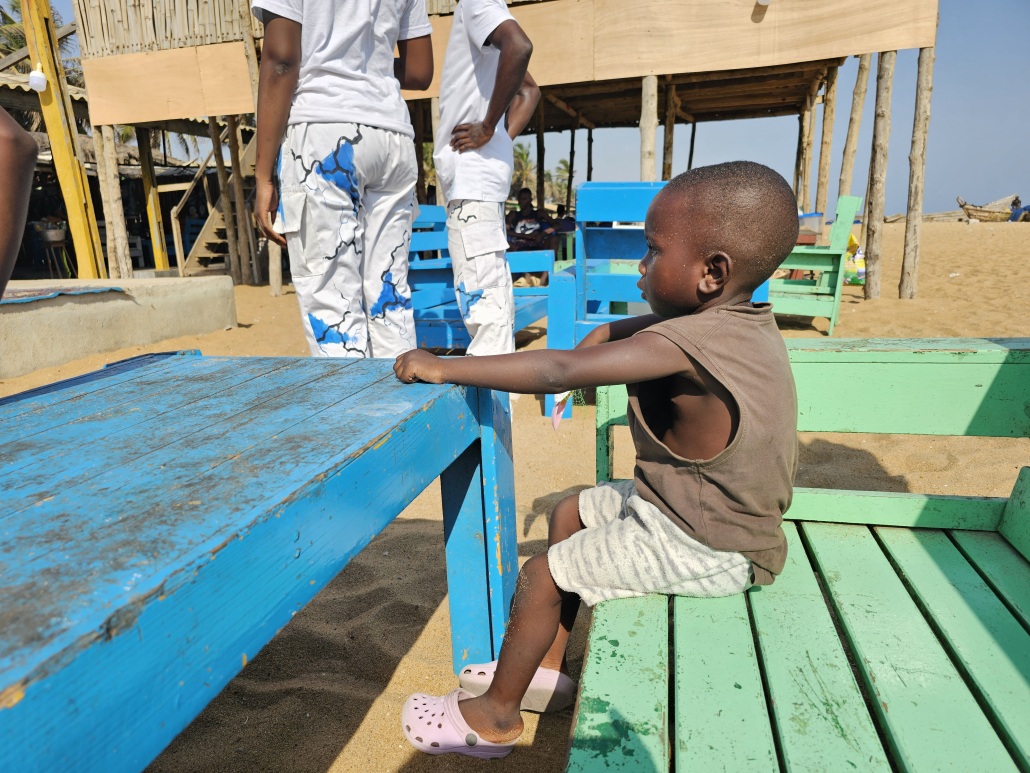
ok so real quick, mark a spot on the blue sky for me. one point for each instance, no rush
(979, 141)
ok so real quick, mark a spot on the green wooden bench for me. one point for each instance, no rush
(896, 637)
(819, 297)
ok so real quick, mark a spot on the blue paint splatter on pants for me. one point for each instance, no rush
(338, 169)
(466, 300)
(326, 333)
(389, 297)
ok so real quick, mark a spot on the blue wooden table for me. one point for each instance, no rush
(163, 518)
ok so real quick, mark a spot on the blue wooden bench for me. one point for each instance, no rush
(150, 547)
(438, 320)
(896, 637)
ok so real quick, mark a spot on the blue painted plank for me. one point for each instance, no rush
(422, 241)
(614, 243)
(118, 436)
(613, 287)
(430, 214)
(468, 586)
(535, 260)
(442, 335)
(498, 467)
(58, 404)
(123, 691)
(428, 298)
(605, 201)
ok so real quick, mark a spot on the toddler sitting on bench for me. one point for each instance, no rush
(713, 415)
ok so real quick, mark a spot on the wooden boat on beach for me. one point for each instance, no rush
(995, 212)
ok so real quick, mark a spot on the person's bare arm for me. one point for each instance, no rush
(523, 106)
(280, 68)
(17, 163)
(414, 65)
(550, 371)
(618, 330)
(516, 49)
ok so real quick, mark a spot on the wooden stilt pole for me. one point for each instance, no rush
(829, 106)
(418, 123)
(224, 202)
(114, 269)
(806, 162)
(690, 156)
(799, 156)
(648, 126)
(157, 228)
(434, 113)
(670, 130)
(917, 167)
(116, 222)
(249, 48)
(275, 269)
(572, 166)
(540, 173)
(850, 145)
(590, 155)
(878, 172)
(56, 106)
(247, 261)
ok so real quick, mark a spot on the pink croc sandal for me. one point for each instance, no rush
(549, 691)
(435, 726)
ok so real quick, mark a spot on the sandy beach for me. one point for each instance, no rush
(325, 694)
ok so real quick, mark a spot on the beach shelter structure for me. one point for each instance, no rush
(600, 63)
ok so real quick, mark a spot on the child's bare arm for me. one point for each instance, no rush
(642, 358)
(618, 330)
(17, 162)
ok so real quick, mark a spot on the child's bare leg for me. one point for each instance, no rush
(564, 523)
(541, 619)
(532, 627)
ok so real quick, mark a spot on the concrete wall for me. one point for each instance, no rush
(41, 334)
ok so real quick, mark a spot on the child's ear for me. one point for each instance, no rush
(717, 273)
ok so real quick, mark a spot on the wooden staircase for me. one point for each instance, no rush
(209, 252)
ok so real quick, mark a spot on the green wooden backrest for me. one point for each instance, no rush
(937, 386)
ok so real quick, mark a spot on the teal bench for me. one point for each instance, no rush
(818, 297)
(438, 319)
(896, 637)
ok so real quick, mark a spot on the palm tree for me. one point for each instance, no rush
(428, 163)
(523, 175)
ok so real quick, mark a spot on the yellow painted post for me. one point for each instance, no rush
(157, 227)
(56, 105)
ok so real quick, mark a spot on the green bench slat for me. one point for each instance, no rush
(623, 707)
(721, 718)
(931, 719)
(930, 511)
(985, 639)
(821, 718)
(1005, 569)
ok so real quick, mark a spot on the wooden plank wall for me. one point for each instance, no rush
(598, 40)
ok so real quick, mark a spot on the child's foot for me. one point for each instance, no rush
(550, 690)
(436, 726)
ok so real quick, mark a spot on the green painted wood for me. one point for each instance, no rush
(1001, 565)
(722, 722)
(814, 261)
(821, 718)
(931, 719)
(847, 208)
(1015, 523)
(622, 713)
(985, 640)
(884, 508)
(1013, 351)
(604, 436)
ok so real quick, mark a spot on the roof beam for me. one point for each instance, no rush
(566, 108)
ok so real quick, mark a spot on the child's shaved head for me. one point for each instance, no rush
(748, 211)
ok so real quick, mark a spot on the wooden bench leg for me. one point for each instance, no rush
(482, 550)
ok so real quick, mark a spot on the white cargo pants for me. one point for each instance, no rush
(346, 201)
(482, 280)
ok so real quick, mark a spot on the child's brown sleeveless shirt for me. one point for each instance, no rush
(736, 500)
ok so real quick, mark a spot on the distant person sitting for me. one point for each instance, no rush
(17, 163)
(529, 229)
(1019, 212)
(564, 222)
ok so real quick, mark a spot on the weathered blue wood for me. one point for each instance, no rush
(608, 202)
(502, 550)
(425, 241)
(468, 586)
(131, 598)
(115, 435)
(613, 287)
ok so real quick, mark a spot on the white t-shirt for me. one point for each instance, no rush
(466, 85)
(346, 58)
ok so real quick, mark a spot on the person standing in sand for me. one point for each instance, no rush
(484, 79)
(343, 195)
